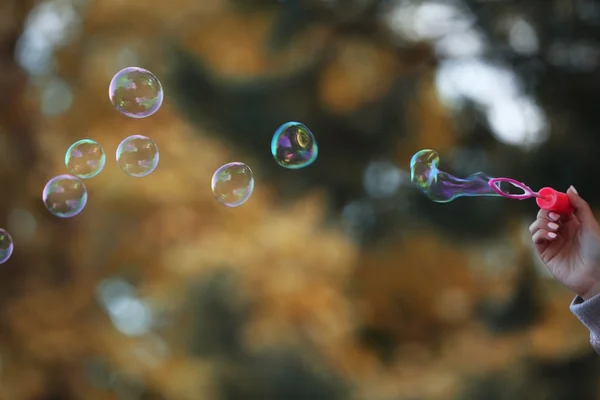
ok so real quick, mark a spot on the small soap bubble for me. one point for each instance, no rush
(65, 196)
(232, 184)
(85, 158)
(294, 146)
(136, 92)
(6, 246)
(137, 156)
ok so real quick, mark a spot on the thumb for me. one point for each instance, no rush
(582, 208)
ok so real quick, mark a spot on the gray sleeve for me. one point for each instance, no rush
(588, 313)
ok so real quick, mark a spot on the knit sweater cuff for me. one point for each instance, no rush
(588, 312)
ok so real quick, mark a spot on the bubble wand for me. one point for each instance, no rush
(442, 187)
(546, 198)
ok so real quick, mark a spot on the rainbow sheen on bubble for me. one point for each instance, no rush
(6, 246)
(233, 184)
(65, 196)
(136, 92)
(137, 156)
(442, 187)
(85, 158)
(294, 146)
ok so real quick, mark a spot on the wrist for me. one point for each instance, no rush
(593, 291)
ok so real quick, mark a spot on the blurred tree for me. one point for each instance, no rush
(431, 302)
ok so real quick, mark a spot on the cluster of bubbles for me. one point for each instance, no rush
(137, 93)
(293, 147)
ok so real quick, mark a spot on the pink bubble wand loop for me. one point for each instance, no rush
(547, 198)
(528, 193)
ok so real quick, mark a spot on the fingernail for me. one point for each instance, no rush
(554, 216)
(553, 226)
(574, 190)
(552, 235)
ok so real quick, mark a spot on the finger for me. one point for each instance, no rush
(543, 224)
(543, 235)
(543, 214)
(549, 215)
(566, 217)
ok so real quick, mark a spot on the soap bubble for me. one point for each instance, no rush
(65, 196)
(442, 187)
(294, 146)
(137, 156)
(232, 184)
(85, 158)
(6, 246)
(136, 92)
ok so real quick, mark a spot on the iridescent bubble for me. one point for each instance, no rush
(232, 184)
(6, 246)
(136, 92)
(65, 196)
(137, 156)
(85, 158)
(294, 146)
(442, 187)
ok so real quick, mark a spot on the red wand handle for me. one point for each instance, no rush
(554, 201)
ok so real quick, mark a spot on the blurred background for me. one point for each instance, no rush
(336, 281)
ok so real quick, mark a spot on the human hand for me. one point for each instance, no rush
(569, 245)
